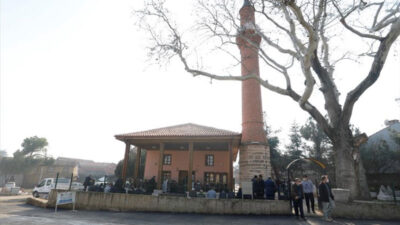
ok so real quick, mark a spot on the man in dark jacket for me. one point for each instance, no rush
(270, 189)
(326, 197)
(297, 196)
(260, 187)
(87, 182)
(254, 182)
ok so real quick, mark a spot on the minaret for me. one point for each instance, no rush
(254, 156)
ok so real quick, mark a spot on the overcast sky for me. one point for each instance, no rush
(76, 73)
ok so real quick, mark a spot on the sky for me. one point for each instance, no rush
(76, 72)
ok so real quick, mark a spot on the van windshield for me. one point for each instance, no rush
(41, 183)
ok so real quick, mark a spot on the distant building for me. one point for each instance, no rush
(88, 167)
(65, 167)
(34, 176)
(378, 152)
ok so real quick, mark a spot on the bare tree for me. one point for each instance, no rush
(298, 37)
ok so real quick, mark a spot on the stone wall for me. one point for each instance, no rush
(35, 175)
(367, 210)
(18, 179)
(254, 160)
(148, 203)
(42, 203)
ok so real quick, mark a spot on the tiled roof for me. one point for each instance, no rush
(386, 134)
(189, 129)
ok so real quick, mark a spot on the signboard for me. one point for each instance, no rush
(247, 189)
(15, 190)
(65, 198)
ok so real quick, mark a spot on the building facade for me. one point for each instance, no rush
(174, 152)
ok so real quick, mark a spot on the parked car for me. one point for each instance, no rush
(45, 186)
(77, 186)
(102, 180)
(10, 188)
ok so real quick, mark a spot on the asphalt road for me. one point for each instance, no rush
(14, 211)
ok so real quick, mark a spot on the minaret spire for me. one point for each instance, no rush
(254, 150)
(246, 3)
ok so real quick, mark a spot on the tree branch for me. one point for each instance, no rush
(344, 23)
(306, 60)
(376, 68)
(387, 20)
(377, 14)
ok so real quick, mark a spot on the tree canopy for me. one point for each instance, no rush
(34, 146)
(34, 153)
(131, 164)
(295, 147)
(311, 132)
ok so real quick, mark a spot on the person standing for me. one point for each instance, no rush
(326, 197)
(308, 187)
(270, 189)
(260, 187)
(165, 186)
(87, 182)
(211, 194)
(239, 193)
(297, 196)
(254, 182)
(197, 186)
(107, 189)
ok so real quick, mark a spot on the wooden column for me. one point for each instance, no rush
(126, 158)
(191, 149)
(137, 163)
(160, 166)
(230, 170)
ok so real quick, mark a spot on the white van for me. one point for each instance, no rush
(77, 186)
(45, 186)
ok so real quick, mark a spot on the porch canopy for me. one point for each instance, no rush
(186, 137)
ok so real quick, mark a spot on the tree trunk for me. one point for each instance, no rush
(350, 173)
(362, 180)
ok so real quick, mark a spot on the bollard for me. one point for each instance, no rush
(394, 194)
(55, 186)
(70, 181)
(289, 191)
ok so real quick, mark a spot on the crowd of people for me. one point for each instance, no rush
(301, 189)
(262, 189)
(304, 189)
(108, 187)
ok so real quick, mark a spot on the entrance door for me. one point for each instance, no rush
(183, 177)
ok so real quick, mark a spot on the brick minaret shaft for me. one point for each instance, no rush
(254, 150)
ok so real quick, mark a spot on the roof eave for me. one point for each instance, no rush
(177, 138)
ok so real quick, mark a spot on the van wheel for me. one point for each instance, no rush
(35, 194)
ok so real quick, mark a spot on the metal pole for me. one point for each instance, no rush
(55, 187)
(289, 190)
(318, 198)
(70, 181)
(104, 181)
(394, 194)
